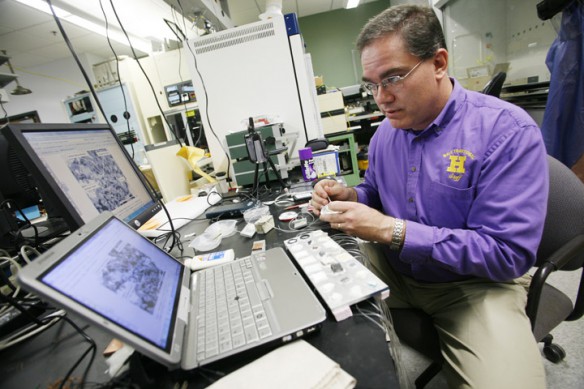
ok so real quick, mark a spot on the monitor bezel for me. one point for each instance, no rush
(50, 188)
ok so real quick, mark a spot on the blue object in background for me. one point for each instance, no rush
(31, 213)
(563, 122)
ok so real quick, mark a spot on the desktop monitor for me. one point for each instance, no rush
(16, 184)
(84, 170)
(21, 199)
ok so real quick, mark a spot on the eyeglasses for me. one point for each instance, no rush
(393, 81)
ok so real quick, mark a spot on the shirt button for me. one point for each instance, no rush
(411, 200)
(413, 168)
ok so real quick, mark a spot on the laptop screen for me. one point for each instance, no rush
(86, 171)
(125, 278)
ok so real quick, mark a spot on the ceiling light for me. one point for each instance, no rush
(352, 4)
(138, 43)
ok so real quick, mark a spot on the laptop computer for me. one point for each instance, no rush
(119, 280)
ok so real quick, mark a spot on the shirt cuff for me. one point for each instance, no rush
(362, 196)
(418, 244)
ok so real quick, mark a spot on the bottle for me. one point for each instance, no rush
(207, 260)
(307, 164)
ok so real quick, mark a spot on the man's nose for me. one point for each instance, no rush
(384, 95)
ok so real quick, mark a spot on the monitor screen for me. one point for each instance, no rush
(85, 170)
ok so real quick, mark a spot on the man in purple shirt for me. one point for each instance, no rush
(455, 195)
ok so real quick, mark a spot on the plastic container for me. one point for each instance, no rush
(307, 164)
(224, 228)
(252, 215)
(206, 241)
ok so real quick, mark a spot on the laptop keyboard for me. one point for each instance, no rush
(231, 313)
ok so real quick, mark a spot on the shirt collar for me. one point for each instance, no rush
(452, 105)
(454, 101)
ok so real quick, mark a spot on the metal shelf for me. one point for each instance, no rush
(6, 78)
(3, 59)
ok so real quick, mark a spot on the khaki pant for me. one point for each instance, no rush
(485, 335)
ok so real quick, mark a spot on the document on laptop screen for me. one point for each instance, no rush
(125, 278)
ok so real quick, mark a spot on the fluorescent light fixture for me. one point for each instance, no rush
(138, 44)
(352, 4)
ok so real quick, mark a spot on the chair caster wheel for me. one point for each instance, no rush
(554, 353)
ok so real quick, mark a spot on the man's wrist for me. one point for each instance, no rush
(397, 235)
(352, 195)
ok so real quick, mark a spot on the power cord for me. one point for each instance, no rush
(207, 102)
(126, 113)
(47, 322)
(145, 75)
(76, 58)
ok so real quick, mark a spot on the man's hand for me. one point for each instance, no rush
(326, 191)
(359, 220)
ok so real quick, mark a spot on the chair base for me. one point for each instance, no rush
(553, 352)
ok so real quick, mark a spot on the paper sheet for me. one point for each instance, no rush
(297, 365)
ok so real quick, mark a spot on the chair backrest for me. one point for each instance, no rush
(565, 213)
(495, 85)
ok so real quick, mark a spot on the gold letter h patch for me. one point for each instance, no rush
(456, 164)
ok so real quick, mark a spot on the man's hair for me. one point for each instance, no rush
(417, 25)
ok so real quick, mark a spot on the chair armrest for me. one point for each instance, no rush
(579, 304)
(568, 252)
(558, 260)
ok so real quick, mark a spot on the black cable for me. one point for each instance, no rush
(65, 37)
(92, 347)
(145, 74)
(175, 28)
(74, 54)
(207, 103)
(183, 40)
(17, 235)
(126, 114)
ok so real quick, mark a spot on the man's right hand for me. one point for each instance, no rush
(329, 190)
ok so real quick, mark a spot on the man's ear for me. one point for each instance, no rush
(441, 63)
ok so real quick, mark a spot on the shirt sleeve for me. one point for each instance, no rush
(505, 221)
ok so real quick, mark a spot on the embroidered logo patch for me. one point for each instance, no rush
(456, 167)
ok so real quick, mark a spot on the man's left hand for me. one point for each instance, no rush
(359, 220)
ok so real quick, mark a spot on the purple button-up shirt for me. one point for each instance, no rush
(472, 188)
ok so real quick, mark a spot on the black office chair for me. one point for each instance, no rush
(561, 248)
(495, 85)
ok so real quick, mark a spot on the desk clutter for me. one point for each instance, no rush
(272, 311)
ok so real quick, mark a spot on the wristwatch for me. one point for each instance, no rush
(397, 237)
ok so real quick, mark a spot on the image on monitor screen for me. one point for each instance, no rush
(85, 170)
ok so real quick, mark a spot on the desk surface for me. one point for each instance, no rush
(357, 344)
